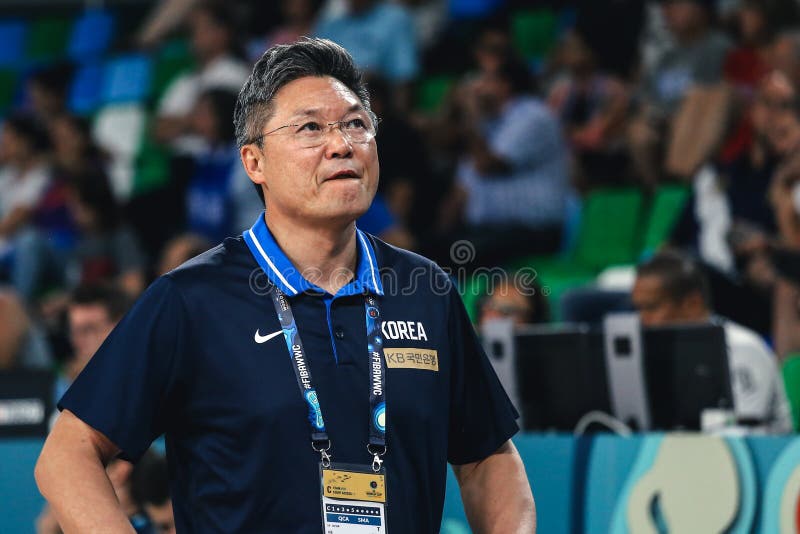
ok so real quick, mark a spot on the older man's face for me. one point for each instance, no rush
(330, 183)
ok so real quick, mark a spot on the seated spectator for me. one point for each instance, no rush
(47, 92)
(209, 203)
(25, 176)
(512, 178)
(784, 54)
(150, 489)
(728, 218)
(21, 342)
(522, 305)
(739, 189)
(42, 251)
(592, 107)
(219, 197)
(213, 36)
(93, 311)
(408, 184)
(25, 173)
(107, 250)
(299, 19)
(695, 59)
(671, 289)
(492, 49)
(380, 37)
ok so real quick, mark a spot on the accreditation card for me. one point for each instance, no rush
(353, 499)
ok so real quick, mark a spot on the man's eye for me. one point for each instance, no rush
(309, 127)
(355, 124)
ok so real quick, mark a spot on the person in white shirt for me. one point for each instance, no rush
(213, 36)
(670, 288)
(24, 174)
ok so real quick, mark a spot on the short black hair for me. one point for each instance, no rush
(109, 296)
(53, 78)
(680, 275)
(282, 64)
(93, 189)
(31, 130)
(150, 480)
(223, 104)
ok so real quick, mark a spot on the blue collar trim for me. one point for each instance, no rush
(281, 272)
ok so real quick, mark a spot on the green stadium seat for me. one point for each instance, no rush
(151, 167)
(431, 92)
(47, 38)
(608, 234)
(667, 205)
(609, 228)
(172, 60)
(8, 87)
(791, 380)
(534, 32)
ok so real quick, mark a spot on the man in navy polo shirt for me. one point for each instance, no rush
(303, 356)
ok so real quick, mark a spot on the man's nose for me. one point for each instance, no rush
(337, 144)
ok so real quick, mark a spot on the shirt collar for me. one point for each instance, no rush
(281, 272)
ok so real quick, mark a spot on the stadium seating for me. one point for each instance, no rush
(12, 37)
(86, 90)
(534, 32)
(666, 207)
(47, 38)
(126, 79)
(91, 35)
(791, 379)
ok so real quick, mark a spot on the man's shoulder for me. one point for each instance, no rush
(223, 261)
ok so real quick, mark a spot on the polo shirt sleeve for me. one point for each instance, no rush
(482, 417)
(125, 390)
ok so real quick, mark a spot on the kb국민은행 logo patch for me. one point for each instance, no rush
(411, 358)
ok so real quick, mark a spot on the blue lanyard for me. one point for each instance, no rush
(320, 441)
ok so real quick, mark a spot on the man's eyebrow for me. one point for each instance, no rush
(313, 112)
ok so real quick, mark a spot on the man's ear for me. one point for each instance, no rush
(254, 163)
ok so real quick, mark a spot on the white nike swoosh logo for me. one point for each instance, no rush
(261, 339)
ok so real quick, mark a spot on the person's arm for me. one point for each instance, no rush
(71, 475)
(162, 20)
(496, 494)
(14, 220)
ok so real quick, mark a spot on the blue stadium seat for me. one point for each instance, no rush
(91, 35)
(127, 79)
(84, 95)
(12, 37)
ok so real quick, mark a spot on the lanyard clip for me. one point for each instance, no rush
(377, 461)
(325, 458)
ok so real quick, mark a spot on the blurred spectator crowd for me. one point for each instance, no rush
(577, 138)
(574, 137)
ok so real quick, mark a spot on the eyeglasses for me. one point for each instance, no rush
(313, 134)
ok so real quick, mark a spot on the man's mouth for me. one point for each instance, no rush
(347, 173)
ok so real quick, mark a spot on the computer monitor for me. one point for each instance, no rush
(26, 402)
(562, 375)
(686, 370)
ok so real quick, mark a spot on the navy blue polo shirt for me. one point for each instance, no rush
(187, 361)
